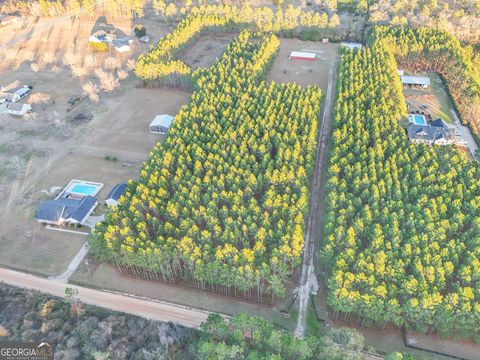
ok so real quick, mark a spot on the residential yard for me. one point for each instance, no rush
(104, 138)
(432, 101)
(303, 72)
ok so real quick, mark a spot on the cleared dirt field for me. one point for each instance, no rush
(303, 72)
(206, 50)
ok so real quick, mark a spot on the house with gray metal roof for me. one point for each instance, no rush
(437, 133)
(64, 210)
(117, 191)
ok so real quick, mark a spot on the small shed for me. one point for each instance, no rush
(300, 55)
(351, 45)
(325, 40)
(161, 124)
(117, 191)
(8, 19)
(122, 45)
(18, 108)
(421, 81)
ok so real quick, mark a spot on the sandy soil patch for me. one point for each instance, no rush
(303, 72)
(206, 50)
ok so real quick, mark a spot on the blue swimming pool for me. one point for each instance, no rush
(419, 120)
(83, 189)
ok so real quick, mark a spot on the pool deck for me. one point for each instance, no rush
(67, 189)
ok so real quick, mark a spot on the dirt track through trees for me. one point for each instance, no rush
(308, 270)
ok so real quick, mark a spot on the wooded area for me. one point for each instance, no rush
(223, 199)
(402, 231)
(434, 50)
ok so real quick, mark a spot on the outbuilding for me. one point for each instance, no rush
(161, 124)
(18, 108)
(300, 55)
(8, 19)
(420, 81)
(122, 45)
(16, 94)
(351, 45)
(117, 191)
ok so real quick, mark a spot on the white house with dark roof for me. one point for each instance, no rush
(117, 191)
(60, 211)
(436, 133)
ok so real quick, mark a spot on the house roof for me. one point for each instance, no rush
(427, 132)
(117, 191)
(352, 45)
(164, 120)
(19, 90)
(415, 80)
(15, 106)
(439, 123)
(54, 210)
(7, 96)
(302, 54)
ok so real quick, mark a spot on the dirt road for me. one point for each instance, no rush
(307, 280)
(154, 310)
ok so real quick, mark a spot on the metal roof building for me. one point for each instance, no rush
(422, 81)
(117, 191)
(161, 124)
(301, 55)
(18, 108)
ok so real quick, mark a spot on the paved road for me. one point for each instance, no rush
(150, 309)
(308, 279)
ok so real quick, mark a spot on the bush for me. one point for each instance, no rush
(139, 30)
(98, 46)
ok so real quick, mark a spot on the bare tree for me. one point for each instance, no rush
(89, 61)
(78, 71)
(69, 58)
(110, 63)
(130, 64)
(17, 165)
(122, 74)
(48, 58)
(108, 81)
(91, 90)
(35, 67)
